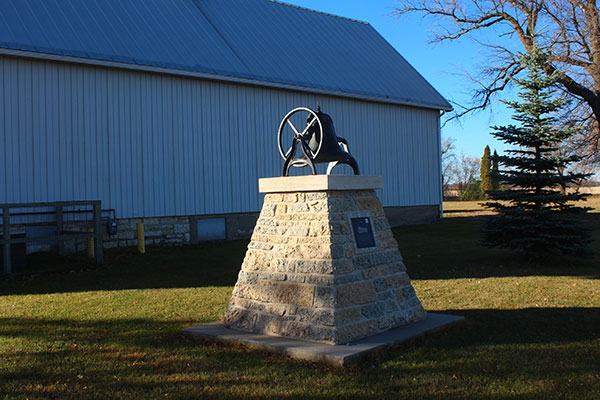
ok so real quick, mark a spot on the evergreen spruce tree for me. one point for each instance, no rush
(485, 172)
(494, 173)
(534, 217)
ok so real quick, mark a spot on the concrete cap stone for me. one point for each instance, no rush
(316, 183)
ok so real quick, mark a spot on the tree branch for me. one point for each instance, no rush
(570, 35)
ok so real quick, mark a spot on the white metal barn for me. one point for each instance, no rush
(167, 110)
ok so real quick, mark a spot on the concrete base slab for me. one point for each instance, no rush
(339, 355)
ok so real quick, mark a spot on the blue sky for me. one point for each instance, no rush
(439, 63)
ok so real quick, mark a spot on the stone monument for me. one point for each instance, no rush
(322, 263)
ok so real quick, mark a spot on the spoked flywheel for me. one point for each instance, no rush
(301, 125)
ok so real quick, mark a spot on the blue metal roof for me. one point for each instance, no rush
(258, 40)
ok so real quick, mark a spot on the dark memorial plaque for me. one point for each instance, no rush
(363, 233)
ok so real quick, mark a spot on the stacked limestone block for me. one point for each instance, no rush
(303, 276)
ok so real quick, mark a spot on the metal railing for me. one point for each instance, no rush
(61, 235)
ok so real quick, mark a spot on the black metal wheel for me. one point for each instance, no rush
(288, 131)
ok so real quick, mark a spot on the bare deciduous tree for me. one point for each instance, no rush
(467, 168)
(584, 168)
(568, 30)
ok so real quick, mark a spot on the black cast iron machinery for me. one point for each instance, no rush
(317, 140)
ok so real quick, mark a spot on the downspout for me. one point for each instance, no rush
(439, 134)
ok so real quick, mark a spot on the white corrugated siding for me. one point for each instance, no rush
(157, 145)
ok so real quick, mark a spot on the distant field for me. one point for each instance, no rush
(473, 208)
(592, 190)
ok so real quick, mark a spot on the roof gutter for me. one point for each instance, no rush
(214, 77)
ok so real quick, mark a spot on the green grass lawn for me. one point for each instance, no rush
(532, 330)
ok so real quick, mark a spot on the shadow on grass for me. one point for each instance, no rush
(116, 359)
(503, 354)
(473, 210)
(520, 326)
(452, 249)
(209, 264)
(447, 250)
(497, 354)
